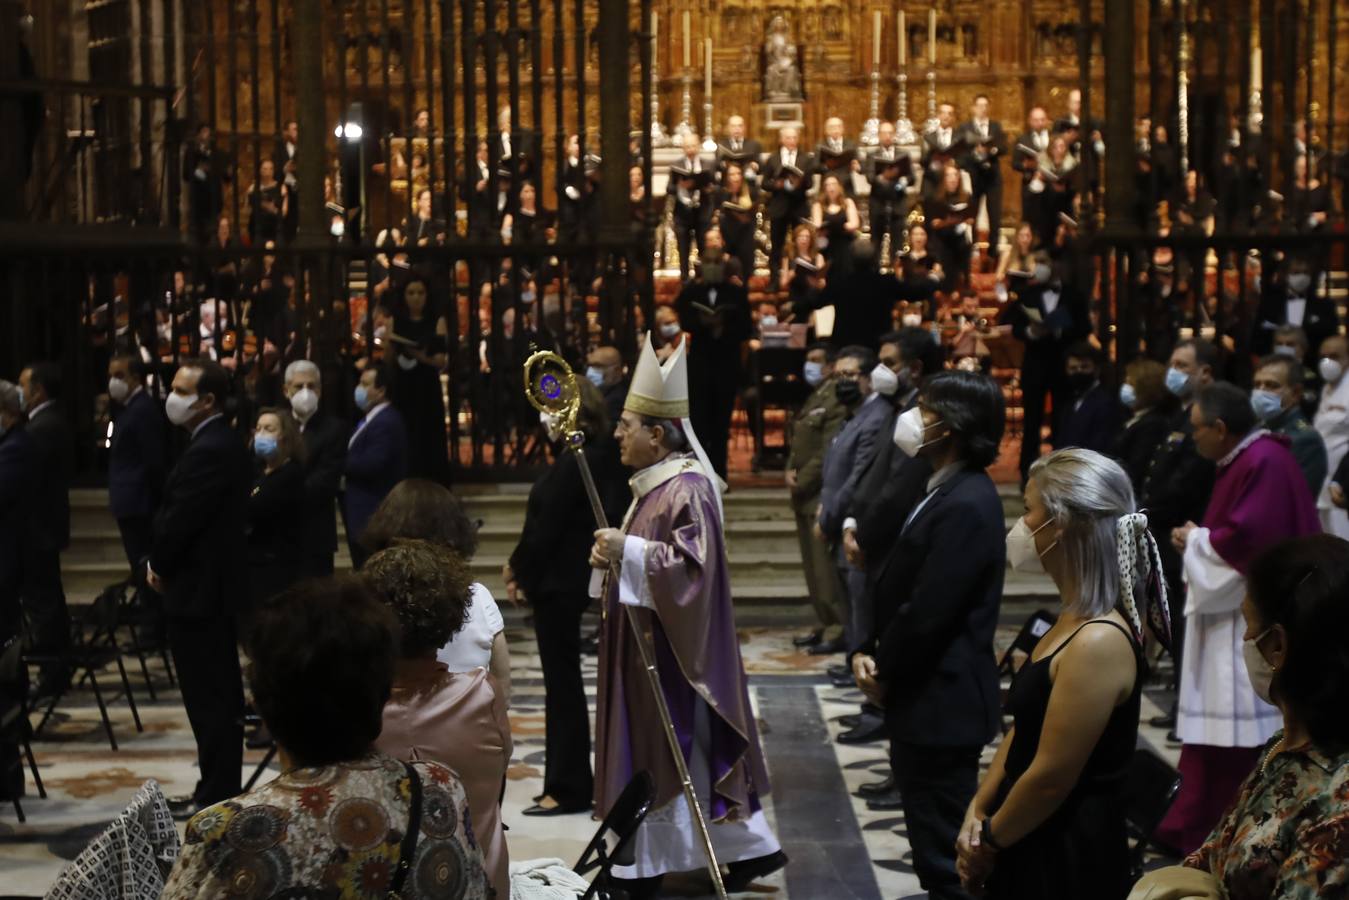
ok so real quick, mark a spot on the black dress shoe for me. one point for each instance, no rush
(871, 709)
(850, 721)
(1173, 739)
(807, 640)
(863, 734)
(183, 807)
(1167, 721)
(838, 672)
(828, 648)
(871, 789)
(890, 802)
(559, 810)
(843, 681)
(742, 873)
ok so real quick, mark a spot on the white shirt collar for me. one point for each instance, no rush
(39, 408)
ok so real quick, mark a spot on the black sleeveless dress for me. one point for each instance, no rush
(838, 246)
(1082, 850)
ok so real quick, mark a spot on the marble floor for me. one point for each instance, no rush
(838, 848)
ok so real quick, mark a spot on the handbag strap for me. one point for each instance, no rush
(408, 849)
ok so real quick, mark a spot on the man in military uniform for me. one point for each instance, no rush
(819, 419)
(1276, 395)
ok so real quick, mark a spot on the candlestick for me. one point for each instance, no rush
(709, 142)
(903, 43)
(932, 36)
(876, 38)
(707, 77)
(658, 137)
(904, 135)
(688, 49)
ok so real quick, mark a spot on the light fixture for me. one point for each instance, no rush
(351, 131)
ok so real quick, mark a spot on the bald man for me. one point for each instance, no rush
(786, 177)
(736, 147)
(690, 184)
(837, 155)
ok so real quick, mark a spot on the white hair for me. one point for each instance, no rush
(301, 367)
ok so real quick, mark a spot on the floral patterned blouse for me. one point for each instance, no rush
(1287, 834)
(333, 832)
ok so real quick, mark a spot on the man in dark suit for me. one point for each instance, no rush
(890, 174)
(837, 155)
(377, 456)
(689, 186)
(940, 149)
(714, 312)
(286, 157)
(1047, 317)
(513, 149)
(19, 476)
(864, 302)
(735, 147)
(984, 144)
(931, 665)
(787, 178)
(325, 444)
(1294, 300)
(844, 462)
(48, 529)
(206, 173)
(1091, 416)
(137, 457)
(195, 561)
(1026, 160)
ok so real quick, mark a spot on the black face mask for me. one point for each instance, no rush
(1081, 382)
(849, 393)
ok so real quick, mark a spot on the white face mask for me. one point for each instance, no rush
(884, 381)
(118, 390)
(179, 408)
(911, 320)
(1330, 369)
(1257, 667)
(670, 330)
(909, 430)
(1022, 553)
(304, 403)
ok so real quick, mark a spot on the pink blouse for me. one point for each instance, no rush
(458, 720)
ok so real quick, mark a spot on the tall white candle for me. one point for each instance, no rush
(903, 43)
(688, 48)
(655, 41)
(932, 36)
(876, 38)
(707, 86)
(1257, 69)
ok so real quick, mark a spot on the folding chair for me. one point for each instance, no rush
(90, 652)
(14, 726)
(1034, 628)
(623, 819)
(134, 614)
(1150, 786)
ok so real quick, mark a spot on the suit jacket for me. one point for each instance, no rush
(783, 202)
(937, 598)
(1137, 443)
(935, 157)
(138, 457)
(846, 459)
(827, 161)
(1320, 321)
(712, 354)
(886, 491)
(749, 148)
(1068, 323)
(988, 170)
(48, 527)
(377, 459)
(325, 444)
(199, 544)
(813, 429)
(19, 473)
(1176, 489)
(1091, 423)
(890, 190)
(864, 304)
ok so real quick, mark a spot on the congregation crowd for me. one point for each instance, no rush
(1193, 500)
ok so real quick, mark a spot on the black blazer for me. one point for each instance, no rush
(199, 547)
(48, 527)
(18, 478)
(325, 444)
(1136, 445)
(138, 457)
(1068, 323)
(937, 601)
(1320, 321)
(1092, 424)
(551, 557)
(889, 487)
(864, 305)
(989, 170)
(781, 201)
(275, 536)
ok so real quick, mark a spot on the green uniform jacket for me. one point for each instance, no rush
(814, 427)
(1309, 448)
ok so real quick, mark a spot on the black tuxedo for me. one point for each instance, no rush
(889, 202)
(1320, 320)
(788, 204)
(521, 157)
(1035, 207)
(199, 552)
(48, 529)
(935, 157)
(137, 463)
(986, 172)
(205, 188)
(714, 360)
(325, 444)
(829, 161)
(284, 154)
(864, 304)
(690, 191)
(937, 597)
(1042, 369)
(748, 154)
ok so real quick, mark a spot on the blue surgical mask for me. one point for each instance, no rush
(595, 375)
(362, 397)
(1177, 381)
(813, 373)
(1267, 404)
(264, 446)
(1127, 395)
(1285, 350)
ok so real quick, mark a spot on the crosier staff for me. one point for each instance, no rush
(550, 386)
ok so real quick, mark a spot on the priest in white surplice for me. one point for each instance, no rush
(1260, 498)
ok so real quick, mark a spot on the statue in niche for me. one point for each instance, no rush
(782, 75)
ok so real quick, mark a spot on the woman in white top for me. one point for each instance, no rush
(421, 510)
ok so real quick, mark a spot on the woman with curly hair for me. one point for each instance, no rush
(457, 719)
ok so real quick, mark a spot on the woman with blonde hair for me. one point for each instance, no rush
(1048, 818)
(837, 223)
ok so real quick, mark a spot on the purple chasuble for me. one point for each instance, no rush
(697, 657)
(1259, 499)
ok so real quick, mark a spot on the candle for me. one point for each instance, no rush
(707, 87)
(687, 47)
(1257, 69)
(932, 36)
(903, 43)
(655, 42)
(876, 38)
